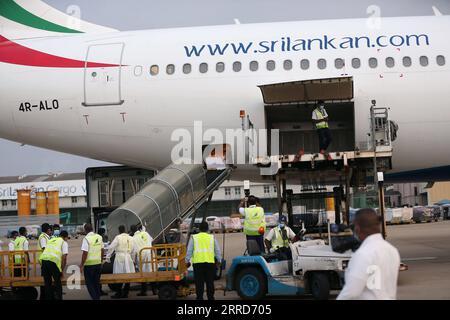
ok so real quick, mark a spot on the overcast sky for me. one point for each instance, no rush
(145, 14)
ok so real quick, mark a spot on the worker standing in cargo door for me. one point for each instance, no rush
(91, 261)
(53, 262)
(204, 251)
(320, 119)
(46, 233)
(254, 221)
(123, 246)
(142, 239)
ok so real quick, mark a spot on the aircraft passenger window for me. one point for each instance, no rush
(423, 61)
(154, 70)
(287, 64)
(138, 71)
(237, 66)
(304, 64)
(203, 67)
(187, 68)
(390, 63)
(220, 67)
(407, 62)
(270, 65)
(253, 65)
(321, 64)
(170, 69)
(440, 60)
(339, 63)
(356, 63)
(373, 62)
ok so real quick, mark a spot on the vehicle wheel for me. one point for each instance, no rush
(251, 284)
(320, 286)
(27, 293)
(167, 292)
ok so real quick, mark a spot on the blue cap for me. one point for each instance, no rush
(283, 219)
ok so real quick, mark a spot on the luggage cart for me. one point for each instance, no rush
(167, 276)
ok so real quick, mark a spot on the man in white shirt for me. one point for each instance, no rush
(372, 272)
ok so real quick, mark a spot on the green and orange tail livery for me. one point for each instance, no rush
(23, 19)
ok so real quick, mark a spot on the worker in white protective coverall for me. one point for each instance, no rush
(123, 246)
(142, 239)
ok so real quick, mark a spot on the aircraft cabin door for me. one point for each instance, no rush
(102, 75)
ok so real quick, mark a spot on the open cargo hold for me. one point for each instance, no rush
(289, 107)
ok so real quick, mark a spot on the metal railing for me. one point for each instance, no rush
(163, 258)
(19, 265)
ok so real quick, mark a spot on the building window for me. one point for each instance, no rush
(4, 203)
(390, 63)
(13, 203)
(356, 63)
(275, 189)
(407, 62)
(74, 199)
(187, 68)
(304, 64)
(423, 61)
(253, 65)
(287, 64)
(266, 189)
(339, 63)
(321, 64)
(373, 62)
(220, 67)
(203, 68)
(170, 69)
(270, 65)
(138, 71)
(237, 191)
(227, 191)
(154, 70)
(440, 60)
(237, 66)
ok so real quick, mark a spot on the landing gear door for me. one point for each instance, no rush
(102, 75)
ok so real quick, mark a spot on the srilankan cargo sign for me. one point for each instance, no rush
(70, 188)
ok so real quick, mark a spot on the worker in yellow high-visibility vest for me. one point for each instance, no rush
(278, 238)
(204, 252)
(320, 119)
(254, 221)
(53, 262)
(46, 233)
(20, 243)
(91, 261)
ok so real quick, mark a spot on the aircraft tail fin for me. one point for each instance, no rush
(33, 18)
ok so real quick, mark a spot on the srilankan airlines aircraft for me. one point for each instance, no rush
(79, 88)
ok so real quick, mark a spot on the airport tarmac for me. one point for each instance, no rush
(424, 247)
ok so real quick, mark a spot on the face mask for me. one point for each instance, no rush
(56, 233)
(282, 225)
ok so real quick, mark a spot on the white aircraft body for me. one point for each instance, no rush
(119, 96)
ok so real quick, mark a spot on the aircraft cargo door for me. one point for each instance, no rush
(102, 75)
